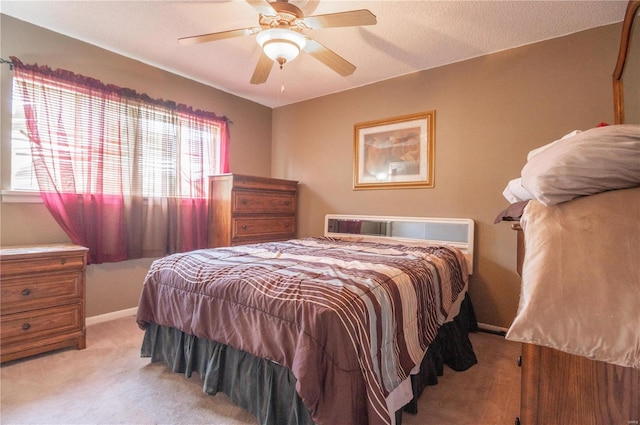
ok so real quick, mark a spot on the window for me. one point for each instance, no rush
(177, 152)
(23, 176)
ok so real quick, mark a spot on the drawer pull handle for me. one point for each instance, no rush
(63, 261)
(286, 203)
(519, 361)
(286, 224)
(244, 227)
(26, 291)
(26, 327)
(244, 202)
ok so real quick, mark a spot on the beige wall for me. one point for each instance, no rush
(113, 287)
(490, 111)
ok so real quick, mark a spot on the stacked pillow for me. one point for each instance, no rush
(580, 163)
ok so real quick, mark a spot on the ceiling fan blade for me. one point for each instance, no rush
(263, 7)
(341, 19)
(205, 38)
(263, 68)
(329, 58)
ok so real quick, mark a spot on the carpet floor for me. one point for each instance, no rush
(108, 383)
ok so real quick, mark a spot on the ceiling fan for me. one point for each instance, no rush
(280, 35)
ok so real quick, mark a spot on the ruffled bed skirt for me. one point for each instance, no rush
(267, 389)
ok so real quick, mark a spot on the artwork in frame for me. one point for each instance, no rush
(395, 153)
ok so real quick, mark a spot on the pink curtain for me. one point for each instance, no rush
(123, 174)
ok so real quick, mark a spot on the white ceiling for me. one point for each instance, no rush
(410, 36)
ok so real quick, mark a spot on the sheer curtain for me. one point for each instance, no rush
(123, 174)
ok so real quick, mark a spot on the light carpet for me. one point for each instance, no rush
(109, 383)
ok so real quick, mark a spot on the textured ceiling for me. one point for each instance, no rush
(410, 36)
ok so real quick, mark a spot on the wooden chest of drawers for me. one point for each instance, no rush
(247, 209)
(42, 304)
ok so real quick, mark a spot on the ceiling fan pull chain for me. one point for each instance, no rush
(281, 91)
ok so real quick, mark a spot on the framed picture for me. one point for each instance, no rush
(395, 153)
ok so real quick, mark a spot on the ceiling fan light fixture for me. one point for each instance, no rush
(281, 45)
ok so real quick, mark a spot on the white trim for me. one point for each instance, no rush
(101, 318)
(492, 328)
(21, 197)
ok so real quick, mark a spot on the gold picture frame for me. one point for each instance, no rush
(395, 152)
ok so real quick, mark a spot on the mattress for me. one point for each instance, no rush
(581, 277)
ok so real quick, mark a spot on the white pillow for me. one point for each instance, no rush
(592, 161)
(536, 151)
(514, 192)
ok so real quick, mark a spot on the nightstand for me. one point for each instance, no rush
(42, 304)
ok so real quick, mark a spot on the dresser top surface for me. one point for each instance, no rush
(247, 178)
(7, 252)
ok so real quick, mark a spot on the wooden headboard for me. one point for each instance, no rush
(456, 232)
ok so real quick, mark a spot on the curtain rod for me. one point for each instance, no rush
(2, 60)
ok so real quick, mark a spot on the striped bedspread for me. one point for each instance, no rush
(350, 319)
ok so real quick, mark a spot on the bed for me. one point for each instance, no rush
(344, 328)
(577, 203)
(578, 316)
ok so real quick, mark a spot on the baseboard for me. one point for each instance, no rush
(484, 327)
(111, 316)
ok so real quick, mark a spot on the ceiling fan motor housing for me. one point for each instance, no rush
(287, 16)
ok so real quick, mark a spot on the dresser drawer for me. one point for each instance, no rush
(263, 228)
(35, 264)
(247, 202)
(27, 292)
(40, 323)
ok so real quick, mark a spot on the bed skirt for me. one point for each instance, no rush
(267, 389)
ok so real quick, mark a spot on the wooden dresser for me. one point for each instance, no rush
(561, 388)
(42, 302)
(246, 209)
